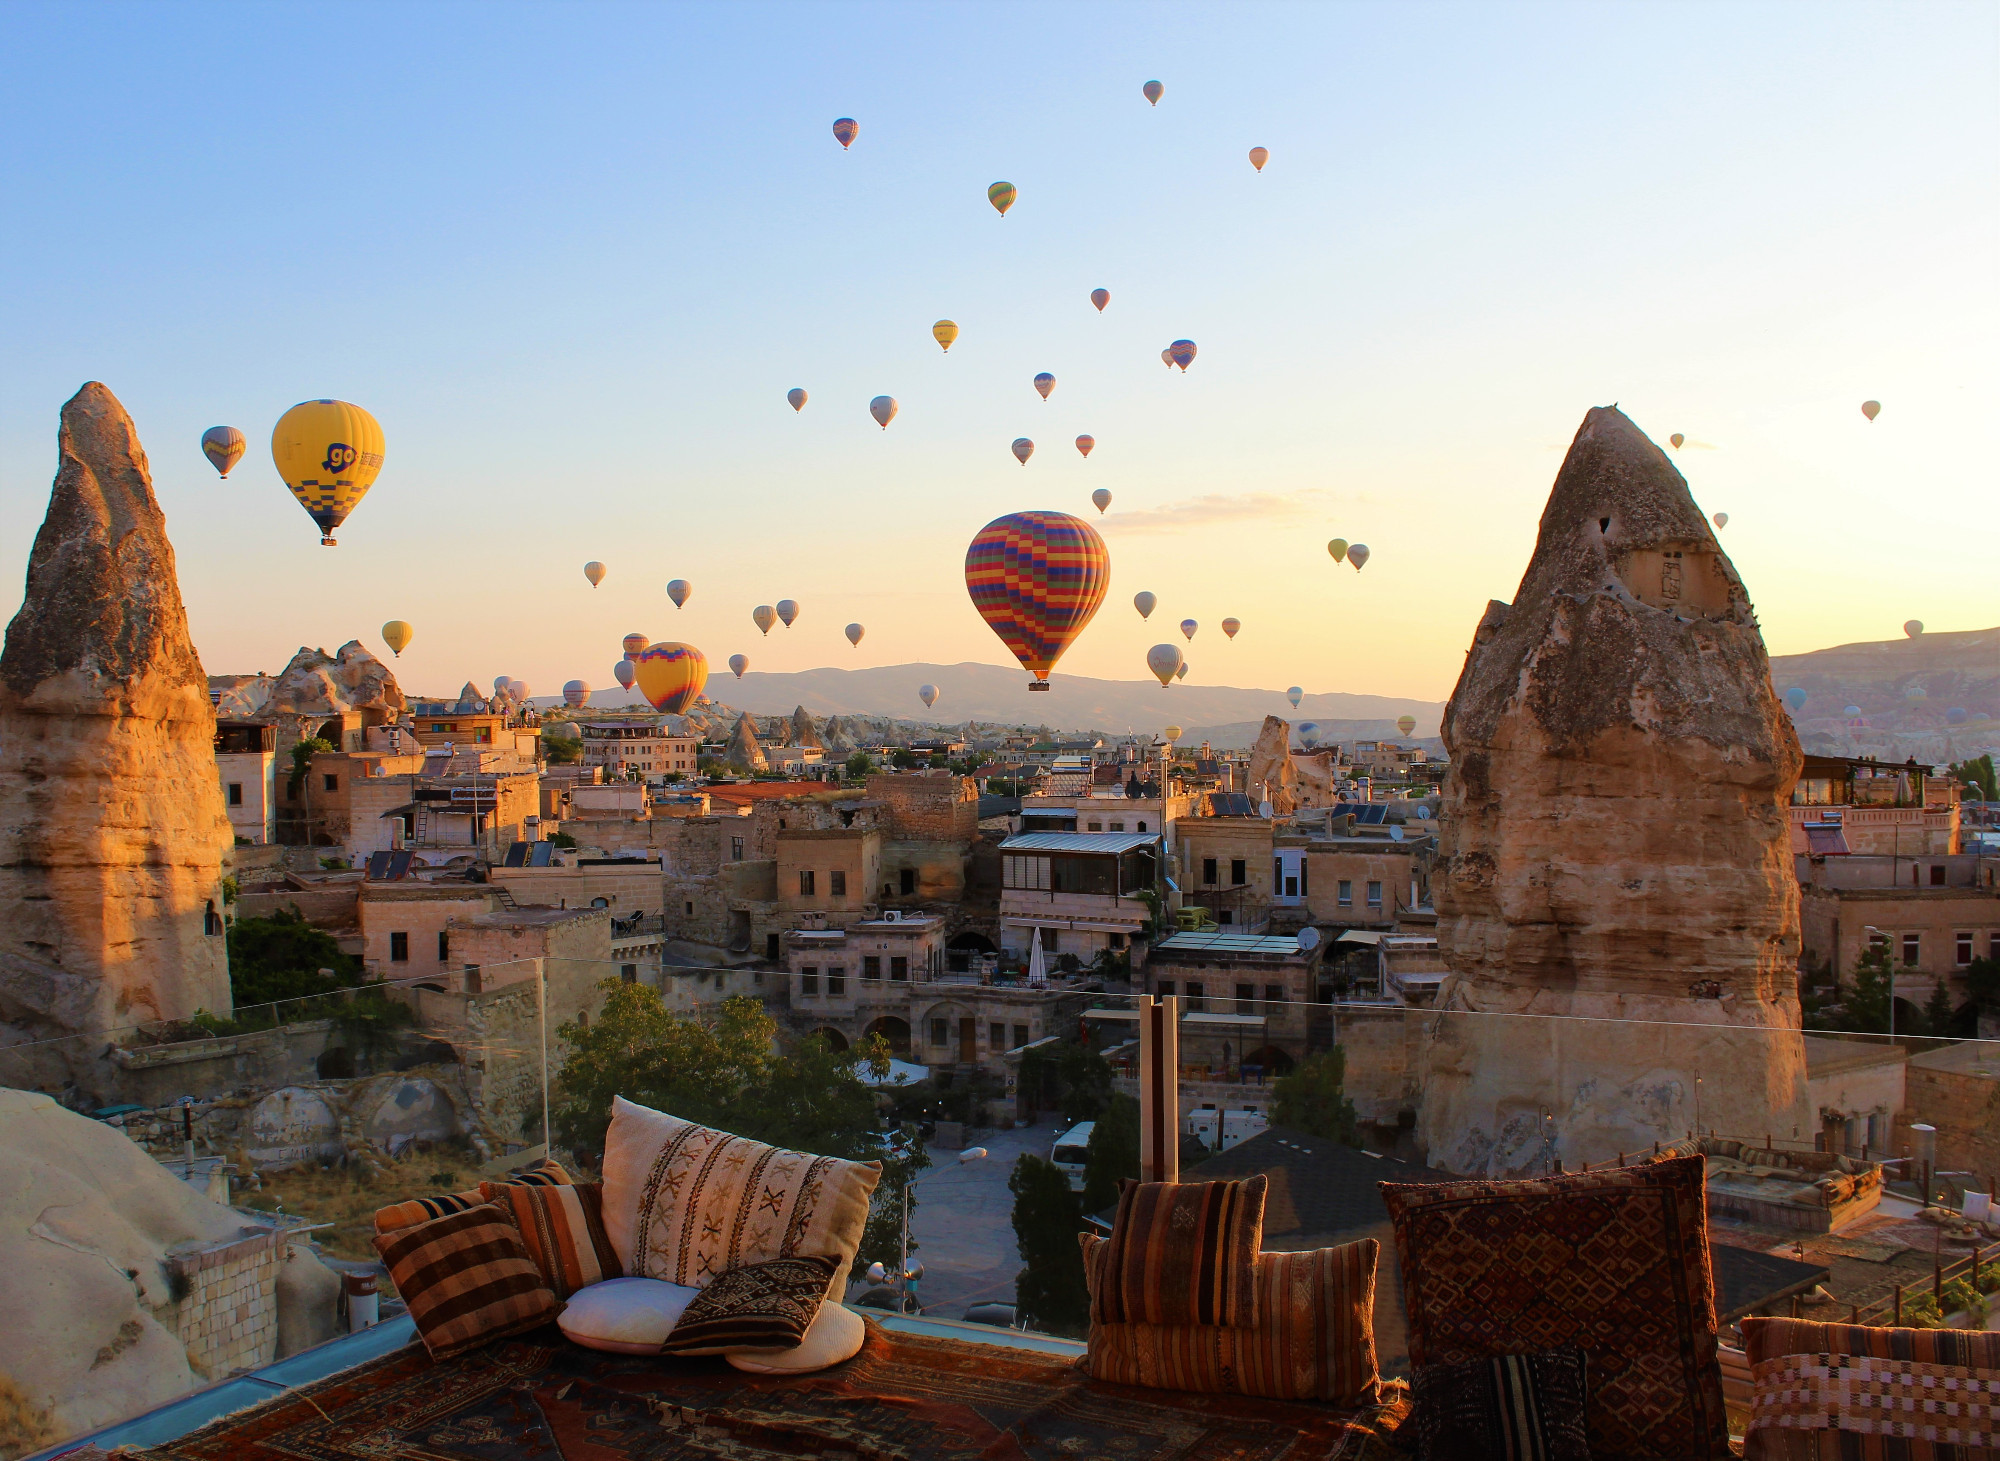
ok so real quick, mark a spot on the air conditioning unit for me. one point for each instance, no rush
(892, 916)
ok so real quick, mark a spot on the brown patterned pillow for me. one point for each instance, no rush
(562, 1229)
(1512, 1407)
(545, 1173)
(467, 1279)
(1314, 1339)
(1872, 1394)
(1183, 1253)
(758, 1306)
(1613, 1263)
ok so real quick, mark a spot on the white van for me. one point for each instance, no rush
(1070, 1152)
(1221, 1130)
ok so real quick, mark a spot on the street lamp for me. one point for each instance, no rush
(905, 1275)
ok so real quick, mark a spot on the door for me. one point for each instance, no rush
(968, 1041)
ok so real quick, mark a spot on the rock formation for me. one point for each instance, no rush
(1614, 844)
(745, 752)
(1271, 776)
(838, 737)
(804, 732)
(112, 826)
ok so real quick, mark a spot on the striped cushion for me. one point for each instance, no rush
(1871, 1394)
(544, 1173)
(467, 1279)
(758, 1306)
(1314, 1340)
(562, 1227)
(1510, 1407)
(1182, 1253)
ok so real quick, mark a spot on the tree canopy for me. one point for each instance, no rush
(280, 958)
(1313, 1098)
(1050, 1291)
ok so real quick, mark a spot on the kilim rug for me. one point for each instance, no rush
(903, 1398)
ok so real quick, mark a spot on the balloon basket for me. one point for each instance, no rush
(1040, 685)
(328, 543)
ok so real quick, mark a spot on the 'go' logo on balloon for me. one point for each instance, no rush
(339, 457)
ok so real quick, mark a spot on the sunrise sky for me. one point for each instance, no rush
(572, 257)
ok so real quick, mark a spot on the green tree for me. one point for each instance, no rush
(1866, 1007)
(1938, 1011)
(1113, 1153)
(1313, 1099)
(1050, 1290)
(560, 750)
(1081, 1078)
(902, 758)
(858, 766)
(280, 957)
(1982, 981)
(1979, 772)
(882, 1239)
(302, 753)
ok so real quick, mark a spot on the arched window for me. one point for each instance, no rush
(211, 924)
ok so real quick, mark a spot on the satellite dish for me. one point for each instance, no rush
(1395, 833)
(1308, 939)
(1264, 810)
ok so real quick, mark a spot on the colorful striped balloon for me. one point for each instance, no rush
(1037, 578)
(671, 676)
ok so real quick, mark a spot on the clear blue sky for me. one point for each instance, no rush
(573, 256)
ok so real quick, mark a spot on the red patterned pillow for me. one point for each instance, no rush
(1613, 1263)
(1183, 1253)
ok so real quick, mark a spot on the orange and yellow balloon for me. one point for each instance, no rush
(944, 332)
(329, 453)
(671, 676)
(397, 635)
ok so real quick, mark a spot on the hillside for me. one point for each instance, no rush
(1935, 697)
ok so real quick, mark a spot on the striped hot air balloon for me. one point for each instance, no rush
(671, 676)
(1037, 578)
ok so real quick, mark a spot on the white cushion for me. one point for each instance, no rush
(625, 1315)
(835, 1334)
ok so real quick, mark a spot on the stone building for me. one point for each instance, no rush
(1224, 865)
(1936, 913)
(1855, 805)
(1266, 986)
(1077, 892)
(650, 747)
(246, 763)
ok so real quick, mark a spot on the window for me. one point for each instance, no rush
(805, 883)
(628, 973)
(1226, 916)
(1374, 895)
(1030, 874)
(1164, 988)
(1051, 940)
(690, 910)
(836, 883)
(211, 923)
(940, 1032)
(236, 793)
(871, 966)
(808, 981)
(1937, 875)
(1246, 999)
(1877, 939)
(332, 782)
(836, 981)
(475, 982)
(1208, 872)
(899, 967)
(996, 1036)
(771, 947)
(1020, 1036)
(1192, 989)
(1274, 994)
(1097, 827)
(1142, 826)
(1962, 953)
(1239, 872)
(444, 946)
(399, 948)
(1116, 940)
(1118, 826)
(1345, 894)
(1913, 949)
(906, 881)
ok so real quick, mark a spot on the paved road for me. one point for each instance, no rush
(963, 1220)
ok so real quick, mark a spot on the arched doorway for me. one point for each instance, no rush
(835, 1041)
(895, 1031)
(963, 948)
(1274, 1061)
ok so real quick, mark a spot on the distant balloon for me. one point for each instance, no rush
(671, 676)
(594, 571)
(927, 694)
(1295, 695)
(1722, 519)
(797, 396)
(1871, 409)
(788, 610)
(329, 454)
(854, 633)
(1143, 601)
(1913, 627)
(1852, 712)
(397, 635)
(883, 409)
(1796, 698)
(500, 684)
(1153, 91)
(1037, 578)
(1100, 298)
(1230, 626)
(518, 691)
(1102, 498)
(1181, 352)
(1085, 443)
(1045, 383)
(763, 616)
(1338, 548)
(1259, 156)
(1167, 356)
(1188, 627)
(1676, 439)
(576, 693)
(1956, 715)
(634, 643)
(1164, 660)
(625, 673)
(944, 332)
(1023, 449)
(1001, 196)
(738, 663)
(1357, 554)
(1916, 694)
(678, 590)
(1181, 673)
(1172, 733)
(222, 445)
(1309, 729)
(1406, 723)
(846, 129)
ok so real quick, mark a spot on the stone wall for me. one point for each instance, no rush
(228, 1318)
(1956, 1088)
(928, 806)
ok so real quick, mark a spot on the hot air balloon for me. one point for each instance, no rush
(1181, 673)
(1188, 626)
(1167, 358)
(1913, 627)
(671, 676)
(1001, 196)
(1100, 298)
(1956, 715)
(1338, 548)
(1153, 91)
(1023, 449)
(1164, 660)
(1916, 694)
(678, 590)
(329, 453)
(634, 643)
(1357, 554)
(1676, 439)
(576, 693)
(788, 610)
(1045, 383)
(625, 673)
(944, 332)
(518, 691)
(846, 129)
(1230, 626)
(1101, 498)
(1722, 519)
(1406, 723)
(1172, 733)
(927, 694)
(1259, 156)
(1871, 409)
(1295, 695)
(500, 684)
(1085, 443)
(763, 616)
(222, 445)
(883, 409)
(1181, 352)
(594, 571)
(397, 635)
(1037, 578)
(738, 663)
(1143, 601)
(797, 396)
(1796, 698)
(1852, 712)
(1308, 730)
(854, 633)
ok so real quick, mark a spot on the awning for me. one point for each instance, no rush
(1360, 936)
(1827, 840)
(1078, 925)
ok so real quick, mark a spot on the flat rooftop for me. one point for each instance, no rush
(1105, 843)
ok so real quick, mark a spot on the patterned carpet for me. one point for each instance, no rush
(903, 1398)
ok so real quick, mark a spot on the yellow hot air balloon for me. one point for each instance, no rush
(1172, 732)
(594, 571)
(944, 332)
(329, 453)
(397, 635)
(1259, 156)
(1338, 548)
(1001, 196)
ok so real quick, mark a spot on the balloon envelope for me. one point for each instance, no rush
(1357, 554)
(1164, 660)
(1851, 711)
(846, 129)
(944, 332)
(1100, 298)
(500, 683)
(1957, 715)
(1181, 673)
(1230, 626)
(854, 633)
(1406, 723)
(1913, 627)
(763, 616)
(1722, 519)
(634, 643)
(1259, 156)
(576, 693)
(1172, 732)
(1085, 443)
(678, 590)
(927, 694)
(1167, 356)
(328, 453)
(1037, 578)
(222, 445)
(788, 610)
(797, 396)
(625, 673)
(1001, 196)
(671, 676)
(738, 663)
(1023, 449)
(397, 635)
(1143, 601)
(1045, 383)
(1676, 439)
(1295, 695)
(1871, 409)
(883, 409)
(1101, 498)
(1181, 352)
(1152, 91)
(518, 691)
(1796, 698)
(1338, 548)
(594, 571)
(1188, 626)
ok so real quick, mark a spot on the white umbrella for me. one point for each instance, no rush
(1038, 971)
